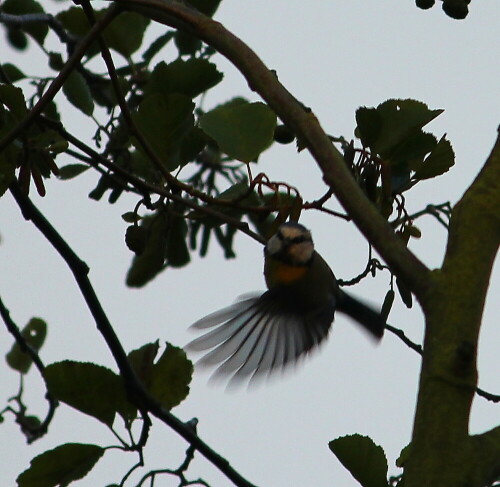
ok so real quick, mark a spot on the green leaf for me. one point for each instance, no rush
(383, 128)
(165, 120)
(438, 162)
(34, 334)
(142, 361)
(242, 131)
(365, 460)
(190, 78)
(12, 72)
(151, 261)
(17, 38)
(61, 466)
(37, 30)
(90, 388)
(126, 32)
(171, 377)
(13, 98)
(71, 171)
(78, 93)
(187, 44)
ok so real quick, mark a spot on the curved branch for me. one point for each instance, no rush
(303, 123)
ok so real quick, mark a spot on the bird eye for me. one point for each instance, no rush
(300, 239)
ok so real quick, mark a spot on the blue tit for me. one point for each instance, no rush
(263, 333)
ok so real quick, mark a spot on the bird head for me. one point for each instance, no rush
(291, 244)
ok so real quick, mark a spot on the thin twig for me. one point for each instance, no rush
(418, 348)
(33, 354)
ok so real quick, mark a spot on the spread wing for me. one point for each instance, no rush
(259, 335)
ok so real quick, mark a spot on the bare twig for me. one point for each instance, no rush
(40, 430)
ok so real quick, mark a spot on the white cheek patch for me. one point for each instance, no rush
(274, 245)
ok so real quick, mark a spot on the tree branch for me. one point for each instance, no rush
(137, 394)
(454, 310)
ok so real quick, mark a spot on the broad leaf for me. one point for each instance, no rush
(243, 130)
(142, 361)
(171, 377)
(365, 460)
(438, 162)
(61, 466)
(165, 120)
(190, 78)
(12, 98)
(385, 127)
(90, 388)
(126, 32)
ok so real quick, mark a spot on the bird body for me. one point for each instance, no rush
(265, 333)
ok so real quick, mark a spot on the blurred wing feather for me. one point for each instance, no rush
(259, 335)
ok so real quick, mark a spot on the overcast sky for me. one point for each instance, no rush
(335, 57)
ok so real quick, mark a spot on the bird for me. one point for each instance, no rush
(266, 332)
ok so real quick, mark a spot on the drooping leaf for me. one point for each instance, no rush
(60, 466)
(151, 261)
(190, 78)
(242, 131)
(404, 293)
(90, 388)
(177, 252)
(34, 334)
(171, 377)
(365, 460)
(78, 93)
(439, 161)
(165, 120)
(37, 30)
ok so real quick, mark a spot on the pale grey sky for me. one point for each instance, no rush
(335, 57)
